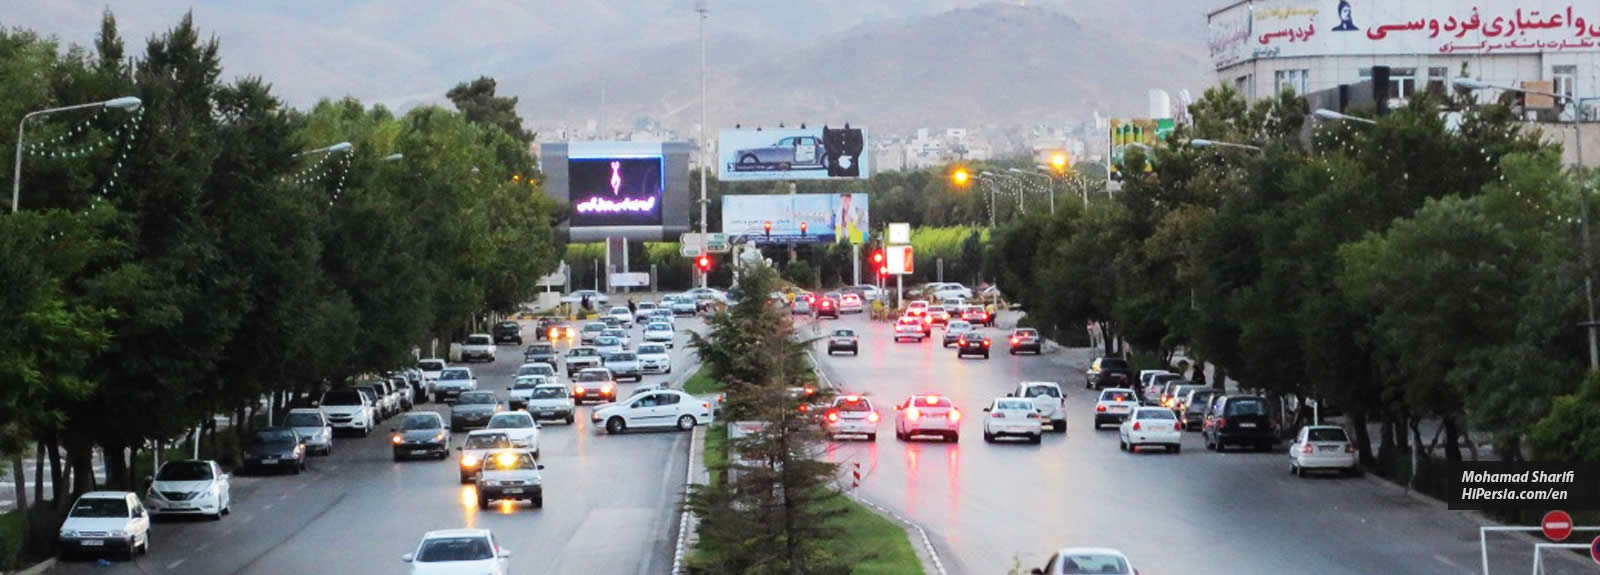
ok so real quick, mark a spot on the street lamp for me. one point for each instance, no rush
(1200, 143)
(394, 157)
(960, 177)
(336, 148)
(1332, 116)
(1049, 183)
(125, 103)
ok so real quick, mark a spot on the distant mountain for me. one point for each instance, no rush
(994, 64)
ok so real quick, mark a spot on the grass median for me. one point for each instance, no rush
(701, 383)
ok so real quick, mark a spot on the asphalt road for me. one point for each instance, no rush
(989, 507)
(610, 506)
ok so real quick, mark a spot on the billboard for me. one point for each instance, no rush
(792, 154)
(616, 191)
(1150, 132)
(826, 218)
(1296, 28)
(632, 190)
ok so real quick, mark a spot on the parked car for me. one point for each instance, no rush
(478, 346)
(657, 409)
(431, 368)
(190, 487)
(1012, 417)
(348, 409)
(106, 522)
(1238, 420)
(1108, 372)
(1321, 448)
(313, 425)
(275, 448)
(507, 332)
(420, 434)
(1193, 409)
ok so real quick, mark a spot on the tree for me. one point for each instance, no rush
(478, 103)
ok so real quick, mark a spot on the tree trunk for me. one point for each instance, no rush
(38, 471)
(116, 465)
(18, 471)
(1218, 377)
(1416, 459)
(1452, 441)
(58, 475)
(1358, 419)
(1105, 337)
(80, 455)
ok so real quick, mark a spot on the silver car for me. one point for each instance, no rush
(510, 474)
(624, 364)
(473, 409)
(313, 425)
(792, 153)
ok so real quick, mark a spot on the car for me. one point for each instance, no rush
(595, 298)
(660, 332)
(521, 389)
(1238, 420)
(792, 153)
(927, 415)
(453, 382)
(917, 309)
(594, 384)
(550, 329)
(973, 343)
(540, 369)
(1108, 372)
(1075, 560)
(851, 303)
(520, 426)
(459, 551)
(348, 410)
(1026, 339)
(851, 415)
(938, 315)
(190, 487)
(1047, 400)
(1012, 417)
(471, 451)
(625, 364)
(683, 305)
(954, 306)
(1157, 383)
(951, 290)
(420, 434)
(276, 448)
(842, 340)
(106, 521)
(402, 389)
(374, 397)
(431, 368)
(590, 331)
(662, 408)
(664, 315)
(621, 335)
(1169, 391)
(973, 314)
(378, 392)
(707, 297)
(510, 474)
(954, 330)
(550, 401)
(540, 353)
(909, 327)
(1192, 409)
(473, 409)
(1114, 405)
(611, 322)
(827, 308)
(1151, 426)
(1180, 394)
(479, 346)
(314, 425)
(622, 314)
(582, 357)
(643, 311)
(654, 358)
(1145, 376)
(801, 306)
(1321, 448)
(410, 381)
(507, 332)
(607, 345)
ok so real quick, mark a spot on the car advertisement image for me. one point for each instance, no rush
(616, 191)
(797, 218)
(793, 154)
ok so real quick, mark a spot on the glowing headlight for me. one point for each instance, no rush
(469, 461)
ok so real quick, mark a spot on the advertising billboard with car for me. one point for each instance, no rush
(793, 154)
(797, 218)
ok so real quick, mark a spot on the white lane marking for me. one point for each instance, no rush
(174, 564)
(267, 507)
(283, 497)
(1446, 561)
(202, 547)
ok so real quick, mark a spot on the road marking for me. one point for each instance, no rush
(1445, 561)
(174, 564)
(283, 497)
(202, 547)
(267, 507)
(245, 519)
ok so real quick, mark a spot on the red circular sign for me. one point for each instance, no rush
(1557, 525)
(1594, 550)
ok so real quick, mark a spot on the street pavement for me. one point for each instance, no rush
(991, 507)
(610, 506)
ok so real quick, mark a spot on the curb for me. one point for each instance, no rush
(38, 568)
(686, 523)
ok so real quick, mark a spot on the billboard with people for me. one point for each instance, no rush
(797, 218)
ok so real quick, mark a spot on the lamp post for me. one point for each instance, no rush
(1049, 185)
(1200, 143)
(1583, 203)
(336, 148)
(1332, 116)
(127, 103)
(701, 8)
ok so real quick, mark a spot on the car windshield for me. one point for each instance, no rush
(1027, 333)
(550, 392)
(445, 550)
(607, 341)
(594, 328)
(1094, 563)
(1113, 363)
(658, 327)
(581, 352)
(652, 349)
(1155, 414)
(528, 382)
(430, 365)
(1109, 395)
(542, 348)
(511, 421)
(97, 507)
(647, 305)
(1014, 405)
(614, 332)
(509, 325)
(479, 340)
(185, 471)
(275, 436)
(511, 462)
(421, 421)
(342, 397)
(1326, 434)
(1246, 407)
(619, 310)
(487, 441)
(622, 357)
(593, 376)
(455, 374)
(304, 419)
(476, 398)
(959, 326)
(844, 333)
(1042, 391)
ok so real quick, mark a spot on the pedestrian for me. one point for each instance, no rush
(632, 307)
(585, 303)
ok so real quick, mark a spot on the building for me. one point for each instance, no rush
(1262, 47)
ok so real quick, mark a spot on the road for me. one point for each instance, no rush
(988, 507)
(611, 504)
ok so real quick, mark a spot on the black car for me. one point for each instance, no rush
(843, 340)
(540, 353)
(276, 448)
(507, 332)
(1238, 420)
(542, 332)
(1108, 372)
(972, 343)
(421, 434)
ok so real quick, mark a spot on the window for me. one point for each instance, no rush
(1296, 80)
(1242, 84)
(1566, 79)
(1156, 414)
(185, 471)
(1246, 407)
(1402, 81)
(422, 421)
(1042, 391)
(89, 507)
(1013, 405)
(455, 549)
(1326, 434)
(646, 401)
(304, 419)
(488, 441)
(667, 399)
(1438, 80)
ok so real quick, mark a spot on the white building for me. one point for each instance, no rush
(1264, 46)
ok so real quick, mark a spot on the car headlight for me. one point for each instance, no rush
(469, 461)
(439, 436)
(69, 533)
(117, 533)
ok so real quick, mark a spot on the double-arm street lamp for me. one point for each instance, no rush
(1199, 143)
(127, 103)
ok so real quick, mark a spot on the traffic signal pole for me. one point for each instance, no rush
(855, 258)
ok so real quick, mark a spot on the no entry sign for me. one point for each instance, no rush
(1594, 550)
(1557, 526)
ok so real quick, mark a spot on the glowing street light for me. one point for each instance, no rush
(1058, 162)
(125, 103)
(961, 177)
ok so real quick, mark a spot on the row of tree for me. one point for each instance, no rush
(1425, 268)
(185, 260)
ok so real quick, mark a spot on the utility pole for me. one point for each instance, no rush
(705, 160)
(1588, 250)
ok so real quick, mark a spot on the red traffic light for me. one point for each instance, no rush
(704, 262)
(802, 228)
(883, 270)
(877, 257)
(767, 227)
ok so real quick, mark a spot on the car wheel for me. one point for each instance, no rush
(615, 425)
(295, 469)
(397, 456)
(569, 420)
(1121, 445)
(538, 502)
(955, 438)
(1037, 438)
(1059, 426)
(872, 437)
(748, 159)
(483, 502)
(145, 549)
(1221, 447)
(900, 436)
(986, 355)
(1264, 447)
(1176, 448)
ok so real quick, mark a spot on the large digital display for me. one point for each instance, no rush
(616, 191)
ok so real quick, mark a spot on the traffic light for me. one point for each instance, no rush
(877, 257)
(704, 263)
(767, 227)
(802, 229)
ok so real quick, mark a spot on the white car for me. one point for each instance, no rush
(581, 357)
(644, 310)
(1151, 426)
(868, 292)
(313, 426)
(663, 315)
(606, 345)
(707, 295)
(479, 442)
(851, 303)
(654, 357)
(520, 427)
(550, 401)
(909, 327)
(348, 409)
(1012, 417)
(595, 298)
(1321, 448)
(539, 368)
(952, 291)
(659, 332)
(1047, 401)
(590, 331)
(851, 415)
(190, 488)
(106, 521)
(522, 388)
(622, 314)
(927, 415)
(663, 408)
(510, 474)
(478, 346)
(620, 334)
(431, 368)
(681, 304)
(459, 552)
(1114, 405)
(594, 384)
(453, 382)
(1074, 560)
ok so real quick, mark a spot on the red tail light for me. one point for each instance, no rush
(986, 343)
(1013, 339)
(1032, 415)
(872, 417)
(804, 408)
(955, 415)
(1307, 449)
(1221, 422)
(1135, 426)
(913, 413)
(1178, 426)
(998, 415)
(833, 416)
(961, 342)
(1349, 448)
(1100, 408)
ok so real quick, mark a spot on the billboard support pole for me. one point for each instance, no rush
(899, 291)
(855, 270)
(704, 150)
